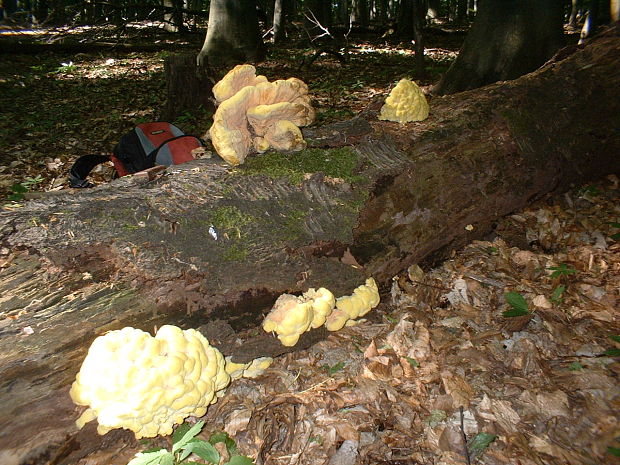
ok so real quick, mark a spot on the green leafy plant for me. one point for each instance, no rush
(556, 296)
(335, 368)
(479, 443)
(68, 67)
(612, 352)
(575, 366)
(615, 451)
(185, 443)
(21, 188)
(616, 236)
(561, 270)
(590, 190)
(518, 305)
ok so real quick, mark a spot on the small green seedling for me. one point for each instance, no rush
(20, 189)
(556, 297)
(616, 236)
(575, 366)
(613, 352)
(590, 190)
(561, 270)
(479, 443)
(518, 305)
(185, 443)
(412, 362)
(67, 67)
(334, 369)
(615, 451)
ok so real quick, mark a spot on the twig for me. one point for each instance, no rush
(464, 437)
(317, 23)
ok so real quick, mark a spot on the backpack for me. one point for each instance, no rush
(147, 145)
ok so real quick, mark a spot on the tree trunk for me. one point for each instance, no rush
(419, 15)
(232, 35)
(507, 40)
(188, 87)
(359, 13)
(139, 253)
(432, 13)
(576, 6)
(279, 21)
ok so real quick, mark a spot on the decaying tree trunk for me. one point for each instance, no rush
(188, 86)
(210, 246)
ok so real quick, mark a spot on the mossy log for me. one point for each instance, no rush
(210, 246)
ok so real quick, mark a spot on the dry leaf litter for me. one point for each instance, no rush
(442, 376)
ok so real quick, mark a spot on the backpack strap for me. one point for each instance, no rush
(82, 167)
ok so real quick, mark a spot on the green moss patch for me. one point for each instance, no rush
(229, 218)
(336, 163)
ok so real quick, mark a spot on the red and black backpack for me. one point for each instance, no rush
(147, 145)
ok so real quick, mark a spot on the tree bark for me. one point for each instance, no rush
(279, 21)
(138, 252)
(188, 86)
(507, 40)
(233, 36)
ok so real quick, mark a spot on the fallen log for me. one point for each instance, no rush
(206, 245)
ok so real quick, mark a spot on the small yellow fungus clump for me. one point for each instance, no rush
(147, 384)
(290, 317)
(251, 369)
(323, 302)
(405, 103)
(363, 299)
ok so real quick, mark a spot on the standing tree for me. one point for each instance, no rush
(410, 23)
(509, 38)
(233, 36)
(280, 11)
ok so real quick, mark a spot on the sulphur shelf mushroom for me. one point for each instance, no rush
(405, 103)
(255, 115)
(291, 316)
(130, 379)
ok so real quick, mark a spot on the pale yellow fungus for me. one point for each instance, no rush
(147, 384)
(336, 320)
(323, 302)
(405, 103)
(255, 115)
(257, 367)
(235, 80)
(290, 317)
(363, 299)
(251, 369)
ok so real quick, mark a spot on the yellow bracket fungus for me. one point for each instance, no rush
(291, 316)
(147, 384)
(405, 103)
(255, 115)
(363, 299)
(251, 369)
(323, 302)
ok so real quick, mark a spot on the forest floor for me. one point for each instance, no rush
(507, 353)
(59, 106)
(504, 354)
